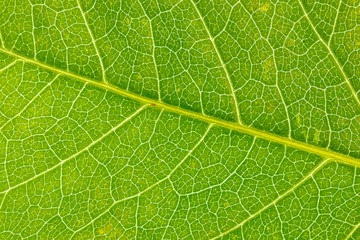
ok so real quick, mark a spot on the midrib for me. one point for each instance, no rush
(211, 120)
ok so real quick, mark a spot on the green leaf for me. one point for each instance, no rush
(179, 119)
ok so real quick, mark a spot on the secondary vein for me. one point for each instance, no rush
(221, 61)
(282, 196)
(331, 53)
(81, 151)
(94, 42)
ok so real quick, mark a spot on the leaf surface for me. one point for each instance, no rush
(192, 119)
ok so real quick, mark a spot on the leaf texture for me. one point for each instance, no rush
(179, 119)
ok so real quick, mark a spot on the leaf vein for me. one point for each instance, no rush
(332, 55)
(222, 63)
(81, 151)
(94, 43)
(153, 185)
(30, 102)
(291, 190)
(327, 153)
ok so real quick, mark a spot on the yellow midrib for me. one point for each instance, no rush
(212, 120)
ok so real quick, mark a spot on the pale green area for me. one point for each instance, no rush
(78, 161)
